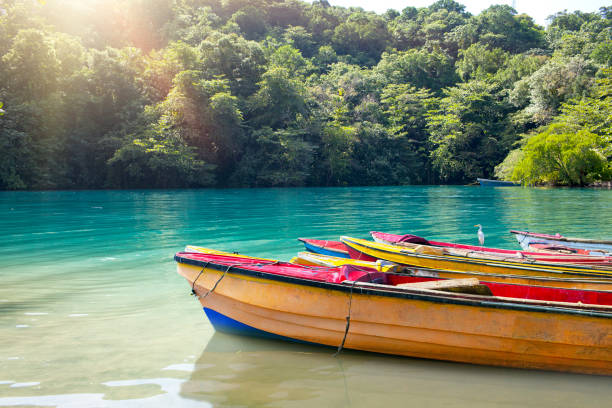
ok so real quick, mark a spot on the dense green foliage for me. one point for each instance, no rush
(575, 149)
(189, 93)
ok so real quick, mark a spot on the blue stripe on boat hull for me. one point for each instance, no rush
(324, 251)
(226, 324)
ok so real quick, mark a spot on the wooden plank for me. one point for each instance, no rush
(441, 284)
(466, 285)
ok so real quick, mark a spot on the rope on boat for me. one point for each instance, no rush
(348, 321)
(217, 282)
(193, 292)
(523, 239)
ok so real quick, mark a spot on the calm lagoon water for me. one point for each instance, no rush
(93, 314)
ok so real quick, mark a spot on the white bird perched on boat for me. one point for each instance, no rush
(480, 234)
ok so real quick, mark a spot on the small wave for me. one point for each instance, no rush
(24, 384)
(181, 367)
(78, 315)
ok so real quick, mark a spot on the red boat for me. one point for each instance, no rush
(324, 247)
(475, 250)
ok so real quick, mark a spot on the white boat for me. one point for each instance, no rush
(530, 240)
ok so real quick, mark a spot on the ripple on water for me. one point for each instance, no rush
(24, 384)
(167, 396)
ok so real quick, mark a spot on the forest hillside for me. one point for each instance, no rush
(237, 93)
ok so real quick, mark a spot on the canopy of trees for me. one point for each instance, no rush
(196, 93)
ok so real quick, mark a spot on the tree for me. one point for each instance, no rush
(206, 116)
(559, 80)
(279, 100)
(575, 149)
(469, 132)
(239, 61)
(478, 61)
(500, 27)
(162, 66)
(299, 38)
(252, 22)
(158, 159)
(281, 158)
(365, 35)
(559, 157)
(291, 58)
(419, 68)
(334, 162)
(406, 111)
(32, 135)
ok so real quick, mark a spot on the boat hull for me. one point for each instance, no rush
(594, 248)
(323, 247)
(496, 183)
(425, 326)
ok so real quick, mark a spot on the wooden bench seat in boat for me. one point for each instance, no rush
(467, 285)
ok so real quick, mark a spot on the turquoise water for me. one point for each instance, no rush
(92, 312)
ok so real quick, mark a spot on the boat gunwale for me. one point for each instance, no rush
(542, 266)
(402, 293)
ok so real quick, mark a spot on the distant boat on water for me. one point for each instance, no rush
(496, 183)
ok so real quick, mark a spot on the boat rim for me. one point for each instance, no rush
(402, 293)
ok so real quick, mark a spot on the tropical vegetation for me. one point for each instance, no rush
(246, 93)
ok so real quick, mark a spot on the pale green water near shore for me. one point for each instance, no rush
(92, 312)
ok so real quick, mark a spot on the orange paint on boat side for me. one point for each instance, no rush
(419, 327)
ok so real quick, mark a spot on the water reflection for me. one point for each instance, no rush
(242, 371)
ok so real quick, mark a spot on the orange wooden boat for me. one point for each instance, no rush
(390, 313)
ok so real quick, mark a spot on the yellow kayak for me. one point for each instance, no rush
(203, 250)
(313, 259)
